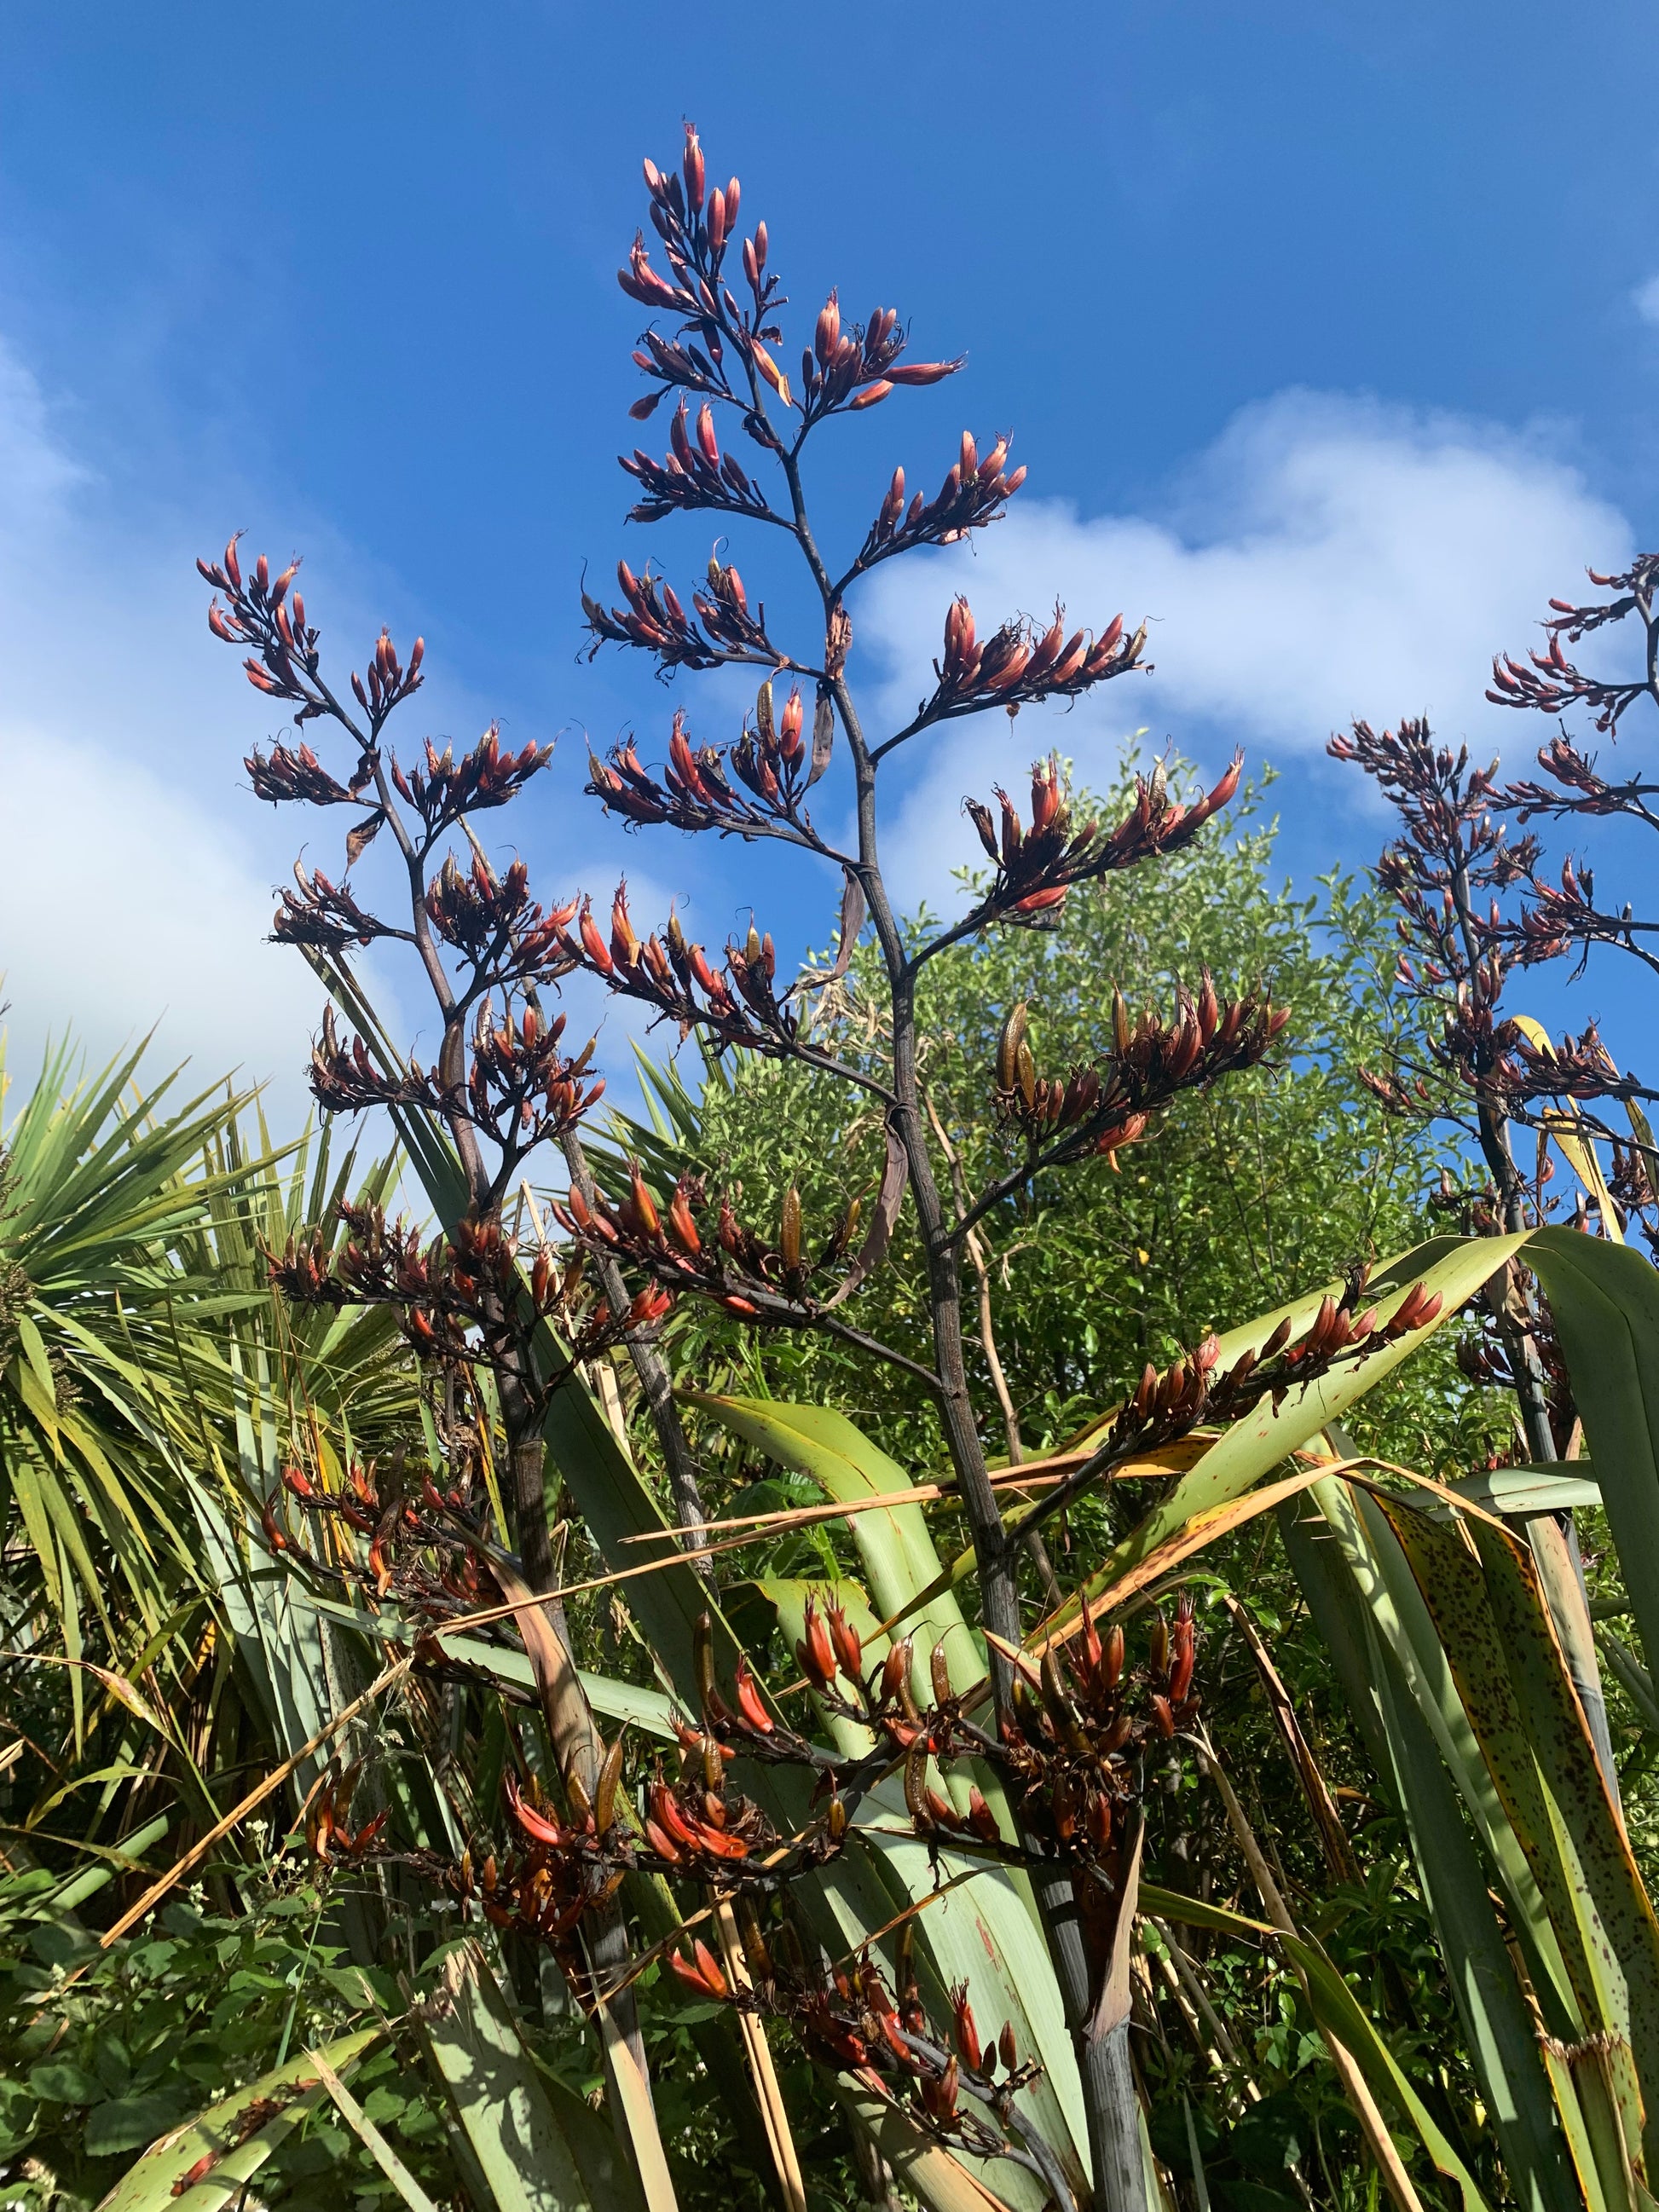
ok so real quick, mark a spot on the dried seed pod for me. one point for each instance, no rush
(758, 1956)
(938, 1666)
(896, 1676)
(1011, 1038)
(605, 1801)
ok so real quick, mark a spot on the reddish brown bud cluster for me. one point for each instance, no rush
(472, 1280)
(520, 1089)
(445, 788)
(748, 1275)
(655, 620)
(674, 976)
(846, 367)
(327, 1811)
(1019, 665)
(294, 772)
(694, 473)
(326, 915)
(1550, 682)
(1037, 866)
(1152, 1063)
(974, 493)
(771, 760)
(1578, 1068)
(283, 663)
(493, 922)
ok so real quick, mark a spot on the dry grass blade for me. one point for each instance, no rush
(255, 1797)
(371, 2138)
(1333, 1836)
(768, 2094)
(1372, 2124)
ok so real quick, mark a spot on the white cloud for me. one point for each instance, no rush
(1328, 557)
(1646, 299)
(135, 872)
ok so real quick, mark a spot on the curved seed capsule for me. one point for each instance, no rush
(940, 1667)
(916, 1784)
(702, 1661)
(576, 1789)
(789, 1228)
(904, 1958)
(1120, 1023)
(757, 1955)
(605, 1802)
(1008, 1045)
(834, 1819)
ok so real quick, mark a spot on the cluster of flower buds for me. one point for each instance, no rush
(265, 613)
(454, 1293)
(1578, 1067)
(290, 773)
(1101, 1111)
(1576, 787)
(1550, 682)
(519, 1089)
(328, 1810)
(558, 1869)
(1560, 915)
(857, 365)
(417, 1555)
(974, 493)
(694, 473)
(325, 915)
(696, 789)
(654, 619)
(1453, 955)
(1170, 1404)
(674, 976)
(493, 921)
(1036, 866)
(1407, 1098)
(1080, 1722)
(850, 2020)
(1019, 665)
(445, 789)
(846, 367)
(745, 1273)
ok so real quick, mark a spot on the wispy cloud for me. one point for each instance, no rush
(130, 898)
(1328, 557)
(135, 870)
(1646, 299)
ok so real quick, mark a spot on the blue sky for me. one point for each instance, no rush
(1329, 338)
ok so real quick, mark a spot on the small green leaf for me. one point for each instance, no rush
(62, 2083)
(130, 2123)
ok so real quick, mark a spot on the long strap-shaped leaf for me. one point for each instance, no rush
(1502, 2038)
(1482, 1589)
(1452, 1268)
(534, 2155)
(1604, 1301)
(217, 2145)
